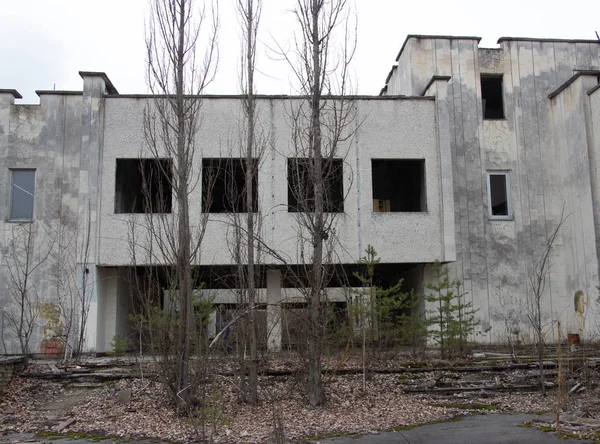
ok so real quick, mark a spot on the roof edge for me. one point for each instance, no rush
(47, 92)
(549, 40)
(16, 94)
(434, 37)
(267, 97)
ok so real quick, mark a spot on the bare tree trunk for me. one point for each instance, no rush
(319, 125)
(316, 394)
(183, 254)
(251, 172)
(170, 129)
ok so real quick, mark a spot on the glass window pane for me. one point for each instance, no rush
(22, 192)
(498, 195)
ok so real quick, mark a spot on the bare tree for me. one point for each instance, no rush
(249, 12)
(321, 123)
(25, 252)
(177, 75)
(71, 276)
(538, 278)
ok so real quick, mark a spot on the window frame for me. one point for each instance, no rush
(11, 197)
(499, 77)
(119, 161)
(229, 165)
(298, 163)
(509, 209)
(422, 168)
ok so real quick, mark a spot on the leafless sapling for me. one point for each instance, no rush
(177, 74)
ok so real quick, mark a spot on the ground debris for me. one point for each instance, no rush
(33, 404)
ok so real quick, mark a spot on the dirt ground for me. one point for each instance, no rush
(125, 399)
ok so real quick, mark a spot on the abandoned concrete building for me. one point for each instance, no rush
(469, 156)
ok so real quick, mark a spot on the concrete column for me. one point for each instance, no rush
(444, 135)
(274, 310)
(91, 284)
(109, 309)
(95, 86)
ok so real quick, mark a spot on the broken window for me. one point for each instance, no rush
(301, 191)
(224, 185)
(499, 195)
(491, 97)
(398, 185)
(143, 186)
(22, 190)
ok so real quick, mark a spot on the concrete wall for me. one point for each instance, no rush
(61, 138)
(384, 128)
(542, 145)
(47, 138)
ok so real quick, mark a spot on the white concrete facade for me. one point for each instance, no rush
(547, 143)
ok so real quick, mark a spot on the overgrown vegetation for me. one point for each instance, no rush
(452, 322)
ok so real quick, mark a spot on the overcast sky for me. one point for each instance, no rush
(45, 43)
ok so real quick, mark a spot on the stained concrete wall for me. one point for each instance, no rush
(47, 138)
(61, 139)
(535, 143)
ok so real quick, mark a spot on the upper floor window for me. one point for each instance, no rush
(224, 185)
(143, 186)
(398, 185)
(499, 195)
(491, 96)
(22, 190)
(301, 185)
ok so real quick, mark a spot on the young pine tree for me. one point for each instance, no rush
(452, 320)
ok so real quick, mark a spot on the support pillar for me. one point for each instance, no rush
(274, 310)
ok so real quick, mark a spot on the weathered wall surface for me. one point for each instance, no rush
(47, 138)
(540, 145)
(383, 128)
(593, 114)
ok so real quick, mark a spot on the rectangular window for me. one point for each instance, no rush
(301, 191)
(22, 191)
(224, 185)
(491, 97)
(143, 186)
(499, 195)
(398, 185)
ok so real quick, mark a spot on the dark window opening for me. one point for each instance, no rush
(143, 186)
(399, 185)
(491, 97)
(499, 196)
(22, 191)
(224, 185)
(301, 191)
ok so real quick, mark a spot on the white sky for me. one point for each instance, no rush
(45, 43)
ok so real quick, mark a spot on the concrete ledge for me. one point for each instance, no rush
(593, 90)
(432, 80)
(549, 40)
(45, 92)
(13, 92)
(578, 73)
(268, 97)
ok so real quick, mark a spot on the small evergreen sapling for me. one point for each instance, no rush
(453, 319)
